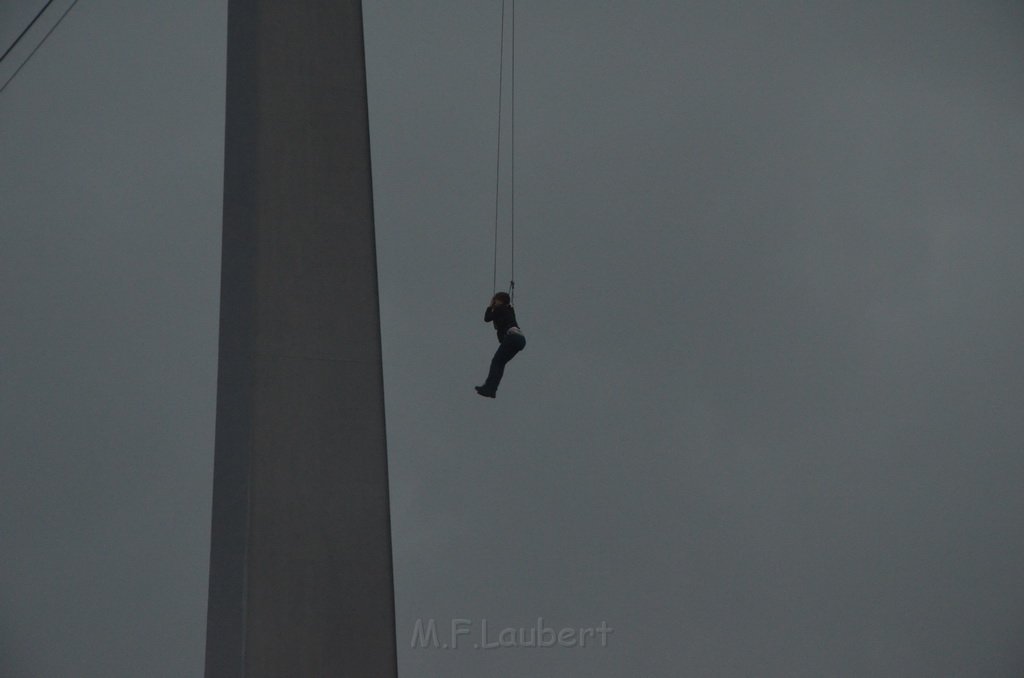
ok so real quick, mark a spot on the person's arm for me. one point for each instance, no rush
(489, 314)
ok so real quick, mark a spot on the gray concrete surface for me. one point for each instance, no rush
(301, 579)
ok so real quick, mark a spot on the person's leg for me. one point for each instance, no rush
(497, 370)
(512, 344)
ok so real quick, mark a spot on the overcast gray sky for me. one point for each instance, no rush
(767, 421)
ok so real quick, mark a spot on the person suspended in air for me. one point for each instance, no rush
(510, 339)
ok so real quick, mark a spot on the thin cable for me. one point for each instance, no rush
(511, 285)
(27, 28)
(32, 53)
(497, 169)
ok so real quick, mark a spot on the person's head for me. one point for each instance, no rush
(501, 298)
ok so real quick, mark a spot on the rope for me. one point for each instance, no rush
(512, 284)
(497, 169)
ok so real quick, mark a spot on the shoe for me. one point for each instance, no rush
(485, 393)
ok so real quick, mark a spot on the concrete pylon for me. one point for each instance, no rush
(301, 574)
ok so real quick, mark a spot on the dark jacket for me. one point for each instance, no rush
(503, 316)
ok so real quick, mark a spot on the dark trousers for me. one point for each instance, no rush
(510, 345)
